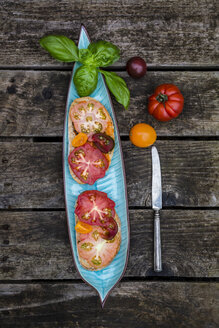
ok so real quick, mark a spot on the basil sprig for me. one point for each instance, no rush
(98, 54)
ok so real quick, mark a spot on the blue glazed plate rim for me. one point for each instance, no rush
(83, 29)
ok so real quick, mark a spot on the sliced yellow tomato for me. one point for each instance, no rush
(83, 227)
(79, 140)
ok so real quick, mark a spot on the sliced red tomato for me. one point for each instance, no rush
(88, 163)
(95, 208)
(98, 252)
(89, 116)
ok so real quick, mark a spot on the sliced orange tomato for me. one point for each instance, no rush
(109, 129)
(107, 157)
(142, 135)
(79, 140)
(83, 227)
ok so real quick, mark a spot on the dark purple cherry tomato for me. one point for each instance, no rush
(136, 67)
(103, 142)
(110, 229)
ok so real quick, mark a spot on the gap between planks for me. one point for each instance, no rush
(137, 208)
(59, 139)
(124, 279)
(115, 68)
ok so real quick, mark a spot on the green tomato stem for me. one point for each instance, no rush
(162, 98)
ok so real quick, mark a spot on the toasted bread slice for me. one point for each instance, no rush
(117, 241)
(72, 132)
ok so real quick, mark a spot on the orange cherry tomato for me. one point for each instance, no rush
(79, 140)
(83, 227)
(142, 135)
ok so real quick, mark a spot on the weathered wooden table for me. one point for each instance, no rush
(39, 285)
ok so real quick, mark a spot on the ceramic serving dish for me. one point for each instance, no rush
(113, 184)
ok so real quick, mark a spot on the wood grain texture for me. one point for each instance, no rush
(31, 174)
(33, 103)
(173, 33)
(35, 245)
(131, 304)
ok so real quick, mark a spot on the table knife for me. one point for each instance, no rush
(157, 206)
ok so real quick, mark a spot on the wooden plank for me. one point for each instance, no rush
(33, 103)
(31, 174)
(35, 245)
(131, 304)
(173, 33)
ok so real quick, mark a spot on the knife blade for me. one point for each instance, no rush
(156, 205)
(156, 180)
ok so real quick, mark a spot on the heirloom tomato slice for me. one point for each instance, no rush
(89, 116)
(98, 252)
(95, 208)
(88, 163)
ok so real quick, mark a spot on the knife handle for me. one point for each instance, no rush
(157, 243)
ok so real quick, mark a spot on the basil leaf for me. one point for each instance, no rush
(104, 53)
(60, 47)
(85, 80)
(118, 87)
(85, 57)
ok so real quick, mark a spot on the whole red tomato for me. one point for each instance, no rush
(166, 103)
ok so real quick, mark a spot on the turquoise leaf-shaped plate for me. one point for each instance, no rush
(113, 184)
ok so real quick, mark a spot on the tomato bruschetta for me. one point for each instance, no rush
(91, 140)
(98, 230)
